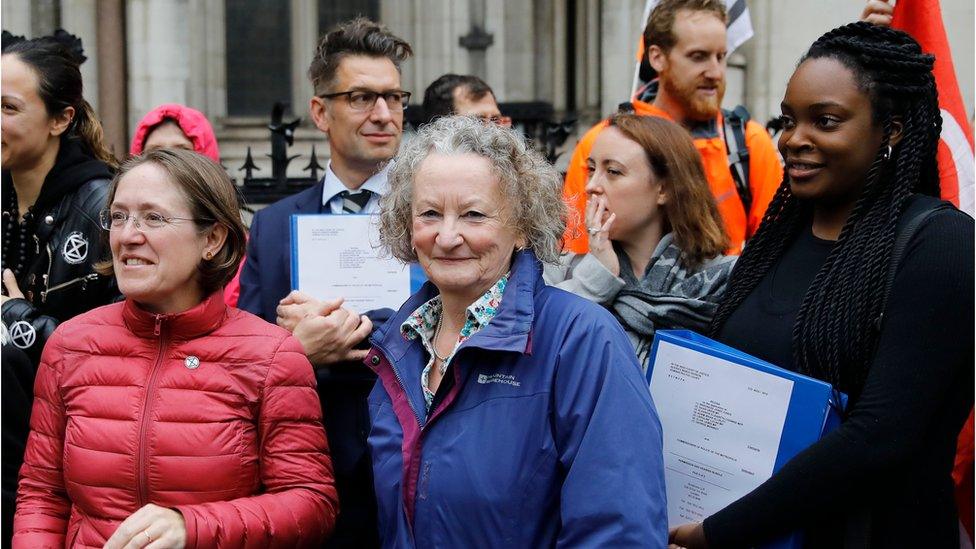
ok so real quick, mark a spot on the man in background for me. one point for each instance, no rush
(466, 95)
(686, 46)
(358, 104)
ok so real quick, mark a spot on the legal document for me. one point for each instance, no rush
(339, 256)
(722, 427)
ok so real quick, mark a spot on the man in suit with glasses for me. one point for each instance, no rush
(359, 105)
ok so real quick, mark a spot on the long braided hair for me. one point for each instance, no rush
(836, 330)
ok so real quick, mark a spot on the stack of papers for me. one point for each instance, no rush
(730, 421)
(340, 256)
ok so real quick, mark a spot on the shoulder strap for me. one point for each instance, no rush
(919, 209)
(738, 152)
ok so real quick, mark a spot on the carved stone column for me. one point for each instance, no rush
(112, 93)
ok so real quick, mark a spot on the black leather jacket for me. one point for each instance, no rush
(60, 281)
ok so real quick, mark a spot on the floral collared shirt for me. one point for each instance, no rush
(423, 323)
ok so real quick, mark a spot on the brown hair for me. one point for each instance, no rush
(359, 36)
(690, 212)
(58, 71)
(660, 25)
(212, 198)
(439, 95)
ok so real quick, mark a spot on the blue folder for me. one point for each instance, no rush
(815, 406)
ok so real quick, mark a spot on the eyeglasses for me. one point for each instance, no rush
(497, 119)
(114, 221)
(365, 100)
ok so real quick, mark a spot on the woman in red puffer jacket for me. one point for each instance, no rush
(171, 419)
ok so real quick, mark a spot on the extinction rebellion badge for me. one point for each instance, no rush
(75, 248)
(22, 334)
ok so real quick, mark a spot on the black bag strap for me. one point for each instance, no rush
(919, 209)
(859, 520)
(738, 152)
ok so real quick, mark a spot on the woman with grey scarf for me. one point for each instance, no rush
(656, 238)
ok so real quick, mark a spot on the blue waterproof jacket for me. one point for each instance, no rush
(547, 435)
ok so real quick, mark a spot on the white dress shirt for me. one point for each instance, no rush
(378, 184)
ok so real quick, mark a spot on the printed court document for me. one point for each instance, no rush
(339, 256)
(722, 427)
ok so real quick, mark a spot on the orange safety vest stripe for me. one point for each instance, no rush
(765, 176)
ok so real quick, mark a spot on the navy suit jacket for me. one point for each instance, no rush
(266, 277)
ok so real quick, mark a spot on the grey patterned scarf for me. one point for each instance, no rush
(669, 295)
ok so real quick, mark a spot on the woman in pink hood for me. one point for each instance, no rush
(175, 126)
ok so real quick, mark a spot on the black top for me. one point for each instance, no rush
(64, 243)
(775, 302)
(17, 382)
(884, 474)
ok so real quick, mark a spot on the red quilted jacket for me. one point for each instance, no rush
(211, 412)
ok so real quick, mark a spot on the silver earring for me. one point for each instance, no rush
(887, 153)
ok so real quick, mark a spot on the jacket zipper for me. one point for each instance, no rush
(50, 263)
(83, 279)
(425, 426)
(403, 386)
(143, 475)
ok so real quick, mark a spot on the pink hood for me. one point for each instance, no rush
(194, 124)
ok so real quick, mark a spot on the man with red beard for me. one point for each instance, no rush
(686, 45)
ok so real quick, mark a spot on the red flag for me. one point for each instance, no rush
(923, 20)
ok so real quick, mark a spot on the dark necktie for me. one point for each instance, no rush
(354, 202)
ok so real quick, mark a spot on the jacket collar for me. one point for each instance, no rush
(202, 319)
(509, 330)
(704, 130)
(73, 167)
(310, 200)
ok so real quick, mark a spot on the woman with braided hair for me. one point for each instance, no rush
(856, 277)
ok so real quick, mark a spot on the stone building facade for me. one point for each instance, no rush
(232, 58)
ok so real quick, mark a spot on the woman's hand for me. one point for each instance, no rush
(600, 245)
(152, 526)
(689, 536)
(10, 283)
(297, 305)
(331, 335)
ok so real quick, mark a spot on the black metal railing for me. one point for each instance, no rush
(536, 120)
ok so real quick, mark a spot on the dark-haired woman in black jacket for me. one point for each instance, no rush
(55, 178)
(810, 293)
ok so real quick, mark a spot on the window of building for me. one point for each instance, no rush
(258, 55)
(333, 12)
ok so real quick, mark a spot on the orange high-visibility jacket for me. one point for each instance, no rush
(765, 175)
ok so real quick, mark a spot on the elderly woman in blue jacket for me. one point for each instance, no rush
(507, 413)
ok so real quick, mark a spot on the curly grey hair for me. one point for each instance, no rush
(529, 183)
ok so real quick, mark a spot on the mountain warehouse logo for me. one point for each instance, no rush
(498, 378)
